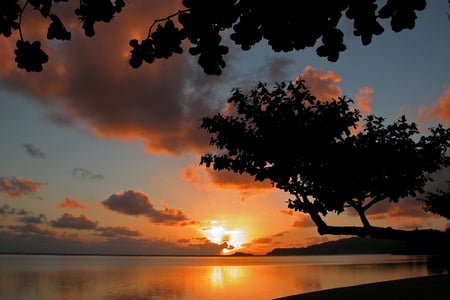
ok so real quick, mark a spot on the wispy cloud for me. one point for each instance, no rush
(136, 203)
(118, 231)
(83, 173)
(34, 151)
(15, 187)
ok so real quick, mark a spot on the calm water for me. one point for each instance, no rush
(119, 278)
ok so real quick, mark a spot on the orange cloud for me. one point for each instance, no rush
(303, 221)
(438, 111)
(89, 84)
(13, 187)
(288, 212)
(71, 203)
(322, 84)
(204, 178)
(363, 100)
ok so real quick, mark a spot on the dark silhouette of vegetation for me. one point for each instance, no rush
(353, 245)
(325, 156)
(286, 25)
(438, 202)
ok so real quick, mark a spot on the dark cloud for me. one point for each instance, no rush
(30, 230)
(137, 203)
(73, 222)
(40, 219)
(5, 209)
(160, 104)
(22, 215)
(119, 231)
(12, 187)
(32, 239)
(34, 151)
(83, 173)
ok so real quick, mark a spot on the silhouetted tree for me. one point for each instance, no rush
(287, 25)
(325, 156)
(438, 202)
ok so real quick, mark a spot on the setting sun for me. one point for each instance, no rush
(218, 234)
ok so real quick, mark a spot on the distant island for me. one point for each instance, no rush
(357, 245)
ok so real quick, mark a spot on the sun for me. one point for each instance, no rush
(218, 234)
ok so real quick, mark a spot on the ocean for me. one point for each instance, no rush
(47, 277)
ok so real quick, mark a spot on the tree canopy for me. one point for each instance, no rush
(286, 25)
(324, 154)
(438, 202)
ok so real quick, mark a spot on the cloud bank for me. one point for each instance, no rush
(136, 203)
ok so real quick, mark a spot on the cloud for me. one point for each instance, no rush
(136, 203)
(12, 187)
(22, 215)
(71, 203)
(28, 230)
(33, 239)
(204, 178)
(40, 219)
(438, 111)
(118, 231)
(73, 222)
(363, 99)
(34, 151)
(5, 210)
(288, 212)
(262, 240)
(322, 84)
(88, 82)
(303, 221)
(83, 173)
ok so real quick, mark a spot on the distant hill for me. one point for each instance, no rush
(353, 245)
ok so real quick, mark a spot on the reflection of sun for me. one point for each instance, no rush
(219, 235)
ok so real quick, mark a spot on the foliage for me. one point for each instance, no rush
(438, 202)
(286, 25)
(322, 153)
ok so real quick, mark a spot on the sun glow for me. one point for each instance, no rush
(218, 234)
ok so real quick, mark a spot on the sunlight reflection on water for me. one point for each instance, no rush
(120, 278)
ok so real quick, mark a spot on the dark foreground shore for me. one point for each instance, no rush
(422, 288)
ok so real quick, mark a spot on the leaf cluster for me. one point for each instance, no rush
(438, 202)
(311, 148)
(29, 55)
(286, 25)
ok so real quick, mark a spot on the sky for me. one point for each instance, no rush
(98, 157)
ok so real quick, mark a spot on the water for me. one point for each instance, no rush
(176, 277)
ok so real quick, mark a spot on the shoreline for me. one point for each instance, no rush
(436, 287)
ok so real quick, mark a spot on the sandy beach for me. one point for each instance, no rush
(430, 288)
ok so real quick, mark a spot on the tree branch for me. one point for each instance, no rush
(165, 19)
(361, 212)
